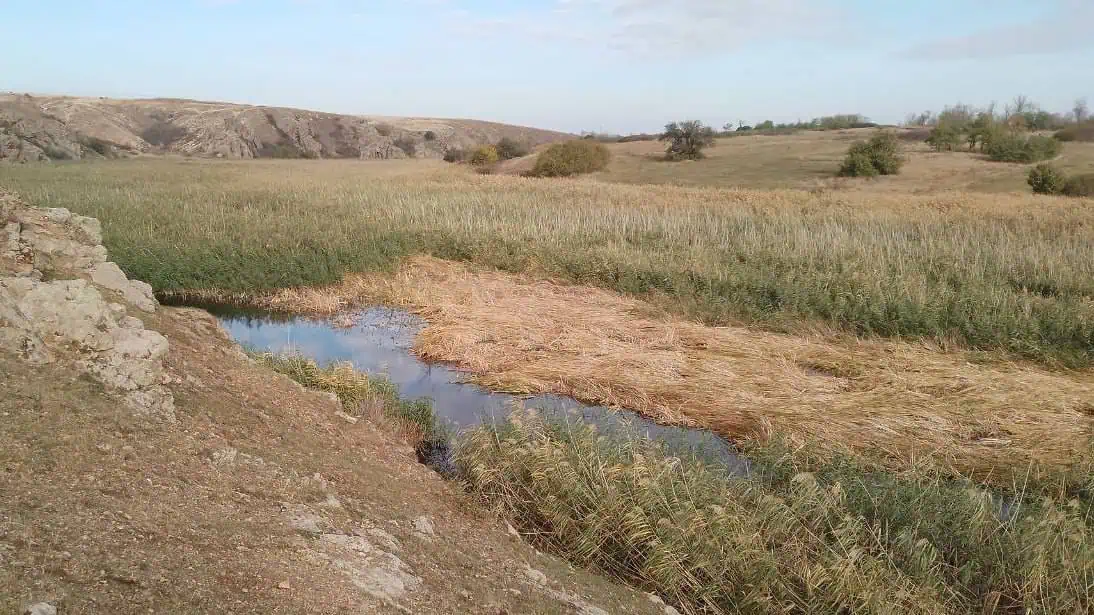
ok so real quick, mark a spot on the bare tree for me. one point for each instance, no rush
(1022, 104)
(1080, 110)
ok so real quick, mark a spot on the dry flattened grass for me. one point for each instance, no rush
(906, 404)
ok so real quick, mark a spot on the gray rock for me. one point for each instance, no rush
(535, 576)
(136, 293)
(41, 608)
(424, 526)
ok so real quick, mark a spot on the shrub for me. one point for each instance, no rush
(1079, 185)
(98, 146)
(878, 156)
(56, 153)
(484, 155)
(1077, 132)
(571, 158)
(455, 154)
(687, 140)
(430, 135)
(1014, 147)
(945, 138)
(1046, 179)
(407, 144)
(509, 148)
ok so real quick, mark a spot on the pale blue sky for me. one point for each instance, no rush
(612, 65)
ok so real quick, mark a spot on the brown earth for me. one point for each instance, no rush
(244, 493)
(36, 128)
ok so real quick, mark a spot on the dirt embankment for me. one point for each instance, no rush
(34, 128)
(150, 466)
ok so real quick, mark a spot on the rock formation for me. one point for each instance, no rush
(62, 300)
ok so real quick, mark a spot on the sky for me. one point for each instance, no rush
(616, 66)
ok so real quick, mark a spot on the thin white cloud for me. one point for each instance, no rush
(680, 27)
(1064, 27)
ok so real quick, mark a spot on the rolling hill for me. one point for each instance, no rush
(34, 128)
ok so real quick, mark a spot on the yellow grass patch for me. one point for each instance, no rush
(903, 403)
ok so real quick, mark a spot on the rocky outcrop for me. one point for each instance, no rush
(34, 128)
(62, 300)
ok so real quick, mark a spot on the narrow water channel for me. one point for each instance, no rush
(380, 340)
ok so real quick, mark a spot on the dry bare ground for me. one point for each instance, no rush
(259, 500)
(910, 405)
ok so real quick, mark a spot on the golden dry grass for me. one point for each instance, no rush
(909, 405)
(811, 159)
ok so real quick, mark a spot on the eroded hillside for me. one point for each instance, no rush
(34, 128)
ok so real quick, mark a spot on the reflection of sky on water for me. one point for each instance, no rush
(379, 343)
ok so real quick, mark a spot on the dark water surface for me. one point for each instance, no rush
(379, 342)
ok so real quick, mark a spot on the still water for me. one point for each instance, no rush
(379, 341)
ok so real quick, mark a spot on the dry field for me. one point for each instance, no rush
(809, 159)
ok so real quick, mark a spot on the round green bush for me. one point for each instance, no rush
(484, 155)
(571, 158)
(1046, 179)
(878, 156)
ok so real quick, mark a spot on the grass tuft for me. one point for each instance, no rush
(800, 539)
(361, 395)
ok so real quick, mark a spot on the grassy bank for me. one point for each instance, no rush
(801, 538)
(361, 395)
(799, 535)
(987, 272)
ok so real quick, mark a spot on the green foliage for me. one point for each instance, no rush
(407, 144)
(808, 535)
(1046, 179)
(1015, 147)
(510, 148)
(1079, 185)
(905, 273)
(945, 138)
(878, 156)
(765, 125)
(358, 392)
(571, 158)
(430, 135)
(484, 155)
(687, 140)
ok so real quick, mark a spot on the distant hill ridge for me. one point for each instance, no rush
(34, 128)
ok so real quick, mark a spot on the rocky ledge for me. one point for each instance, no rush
(62, 300)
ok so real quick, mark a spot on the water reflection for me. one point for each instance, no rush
(379, 341)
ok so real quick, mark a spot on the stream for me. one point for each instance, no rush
(379, 341)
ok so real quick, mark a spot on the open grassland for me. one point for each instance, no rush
(1010, 273)
(810, 159)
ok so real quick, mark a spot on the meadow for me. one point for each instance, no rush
(908, 360)
(997, 273)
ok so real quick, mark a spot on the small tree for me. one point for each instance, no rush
(1046, 179)
(945, 138)
(484, 155)
(510, 148)
(878, 156)
(688, 139)
(430, 135)
(1080, 111)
